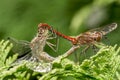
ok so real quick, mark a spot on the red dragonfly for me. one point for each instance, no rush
(89, 37)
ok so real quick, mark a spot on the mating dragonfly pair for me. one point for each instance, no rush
(34, 50)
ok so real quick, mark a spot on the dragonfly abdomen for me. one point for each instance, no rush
(73, 40)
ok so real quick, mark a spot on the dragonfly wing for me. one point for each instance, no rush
(106, 29)
(109, 28)
(19, 46)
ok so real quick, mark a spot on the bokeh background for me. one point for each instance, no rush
(19, 18)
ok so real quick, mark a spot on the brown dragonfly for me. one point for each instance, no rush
(86, 38)
(33, 51)
(89, 37)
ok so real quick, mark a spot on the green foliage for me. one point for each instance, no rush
(5, 47)
(105, 65)
(8, 70)
(102, 66)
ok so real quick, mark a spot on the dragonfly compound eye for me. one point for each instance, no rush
(44, 26)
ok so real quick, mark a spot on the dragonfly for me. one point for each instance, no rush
(87, 38)
(34, 51)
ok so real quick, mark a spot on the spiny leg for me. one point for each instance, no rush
(51, 45)
(50, 38)
(83, 52)
(57, 43)
(106, 39)
(52, 35)
(76, 57)
(95, 49)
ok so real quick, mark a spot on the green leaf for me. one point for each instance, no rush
(5, 47)
(105, 65)
(102, 66)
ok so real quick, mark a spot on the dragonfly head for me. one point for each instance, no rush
(43, 29)
(44, 26)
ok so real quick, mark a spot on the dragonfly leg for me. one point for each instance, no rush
(76, 57)
(51, 46)
(49, 38)
(85, 49)
(52, 36)
(95, 49)
(83, 52)
(106, 39)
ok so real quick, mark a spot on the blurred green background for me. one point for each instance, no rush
(19, 18)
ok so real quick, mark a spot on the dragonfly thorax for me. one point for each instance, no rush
(38, 43)
(89, 37)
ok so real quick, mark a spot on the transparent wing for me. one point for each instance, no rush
(106, 29)
(20, 46)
